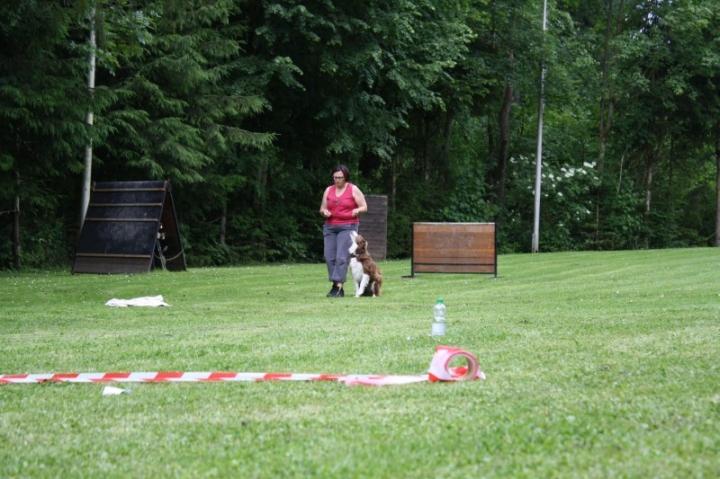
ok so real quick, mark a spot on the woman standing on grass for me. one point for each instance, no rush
(342, 204)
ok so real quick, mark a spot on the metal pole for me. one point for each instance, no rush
(538, 156)
(87, 160)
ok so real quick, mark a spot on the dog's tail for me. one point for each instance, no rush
(377, 285)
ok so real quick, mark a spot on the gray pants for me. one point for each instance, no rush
(337, 243)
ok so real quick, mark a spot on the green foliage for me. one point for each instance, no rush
(622, 225)
(364, 68)
(465, 203)
(181, 111)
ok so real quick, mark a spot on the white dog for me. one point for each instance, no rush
(366, 275)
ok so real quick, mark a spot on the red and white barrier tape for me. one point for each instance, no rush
(440, 370)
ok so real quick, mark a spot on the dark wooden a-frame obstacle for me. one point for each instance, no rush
(130, 227)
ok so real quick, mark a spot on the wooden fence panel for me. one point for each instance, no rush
(454, 248)
(373, 226)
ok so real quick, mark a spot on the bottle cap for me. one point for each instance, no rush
(439, 300)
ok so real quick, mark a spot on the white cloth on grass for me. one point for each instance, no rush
(152, 301)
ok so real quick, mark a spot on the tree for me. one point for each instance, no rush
(246, 105)
(672, 63)
(42, 103)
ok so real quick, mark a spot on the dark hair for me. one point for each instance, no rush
(342, 169)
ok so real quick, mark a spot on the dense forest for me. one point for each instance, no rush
(247, 105)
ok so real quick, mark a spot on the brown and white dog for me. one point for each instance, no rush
(366, 275)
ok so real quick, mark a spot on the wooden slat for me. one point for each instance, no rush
(446, 268)
(125, 190)
(112, 265)
(125, 205)
(441, 251)
(487, 259)
(449, 228)
(110, 255)
(122, 220)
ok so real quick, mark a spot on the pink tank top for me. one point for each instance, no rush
(341, 208)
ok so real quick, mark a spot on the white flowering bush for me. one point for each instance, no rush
(566, 201)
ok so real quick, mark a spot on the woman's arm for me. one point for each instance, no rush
(323, 204)
(359, 201)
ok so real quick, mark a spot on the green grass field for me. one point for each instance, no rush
(598, 365)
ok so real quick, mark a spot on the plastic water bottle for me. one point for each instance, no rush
(438, 324)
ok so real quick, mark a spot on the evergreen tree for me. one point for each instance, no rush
(43, 101)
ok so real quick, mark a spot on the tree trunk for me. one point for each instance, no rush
(223, 223)
(607, 87)
(717, 183)
(504, 143)
(89, 119)
(491, 142)
(653, 160)
(261, 185)
(605, 101)
(17, 259)
(426, 149)
(394, 183)
(449, 123)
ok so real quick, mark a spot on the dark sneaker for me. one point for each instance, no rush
(333, 292)
(340, 293)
